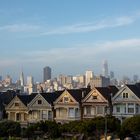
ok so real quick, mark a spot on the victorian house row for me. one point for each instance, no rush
(76, 104)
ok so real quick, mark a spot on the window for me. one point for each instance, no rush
(18, 117)
(130, 110)
(100, 110)
(94, 97)
(88, 109)
(125, 95)
(49, 115)
(16, 104)
(71, 112)
(118, 109)
(44, 114)
(66, 99)
(39, 102)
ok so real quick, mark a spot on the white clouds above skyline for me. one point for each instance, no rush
(88, 57)
(73, 28)
(19, 28)
(70, 37)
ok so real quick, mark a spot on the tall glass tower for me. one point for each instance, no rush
(46, 73)
(105, 69)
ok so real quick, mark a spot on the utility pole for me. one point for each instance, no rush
(106, 123)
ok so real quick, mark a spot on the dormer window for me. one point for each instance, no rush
(125, 95)
(66, 99)
(94, 97)
(16, 104)
(39, 102)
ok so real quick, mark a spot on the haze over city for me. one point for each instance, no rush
(69, 36)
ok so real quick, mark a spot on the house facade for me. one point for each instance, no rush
(96, 103)
(126, 103)
(17, 110)
(28, 109)
(67, 107)
(40, 108)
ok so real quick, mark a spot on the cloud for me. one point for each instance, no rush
(122, 56)
(92, 26)
(19, 28)
(74, 28)
(83, 53)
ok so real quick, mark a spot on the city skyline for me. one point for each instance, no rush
(69, 36)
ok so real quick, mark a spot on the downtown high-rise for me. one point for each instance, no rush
(46, 73)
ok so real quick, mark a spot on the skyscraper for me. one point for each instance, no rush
(46, 73)
(105, 69)
(88, 77)
(22, 79)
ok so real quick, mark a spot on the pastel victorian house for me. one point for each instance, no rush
(68, 105)
(98, 102)
(126, 103)
(17, 109)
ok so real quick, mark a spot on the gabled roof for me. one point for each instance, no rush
(6, 97)
(26, 98)
(105, 92)
(78, 94)
(135, 89)
(51, 97)
(113, 90)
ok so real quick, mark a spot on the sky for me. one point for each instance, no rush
(70, 36)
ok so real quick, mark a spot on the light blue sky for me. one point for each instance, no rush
(70, 36)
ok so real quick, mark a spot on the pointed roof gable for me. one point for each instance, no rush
(105, 92)
(135, 89)
(26, 98)
(113, 90)
(96, 95)
(78, 94)
(51, 97)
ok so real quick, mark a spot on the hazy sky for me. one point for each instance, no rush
(70, 36)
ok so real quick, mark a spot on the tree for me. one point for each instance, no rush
(130, 126)
(9, 128)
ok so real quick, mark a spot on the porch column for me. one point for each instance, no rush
(96, 110)
(15, 116)
(67, 112)
(40, 114)
(126, 108)
(22, 116)
(134, 108)
(8, 115)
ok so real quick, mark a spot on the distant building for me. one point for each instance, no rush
(8, 80)
(105, 68)
(30, 87)
(88, 77)
(99, 81)
(46, 73)
(112, 75)
(0, 78)
(22, 79)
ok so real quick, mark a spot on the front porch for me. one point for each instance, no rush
(66, 114)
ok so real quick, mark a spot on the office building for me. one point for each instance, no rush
(46, 73)
(99, 81)
(88, 77)
(22, 79)
(105, 69)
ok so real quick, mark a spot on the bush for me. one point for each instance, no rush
(9, 128)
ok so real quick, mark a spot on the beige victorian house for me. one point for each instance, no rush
(40, 108)
(17, 109)
(68, 105)
(28, 109)
(97, 103)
